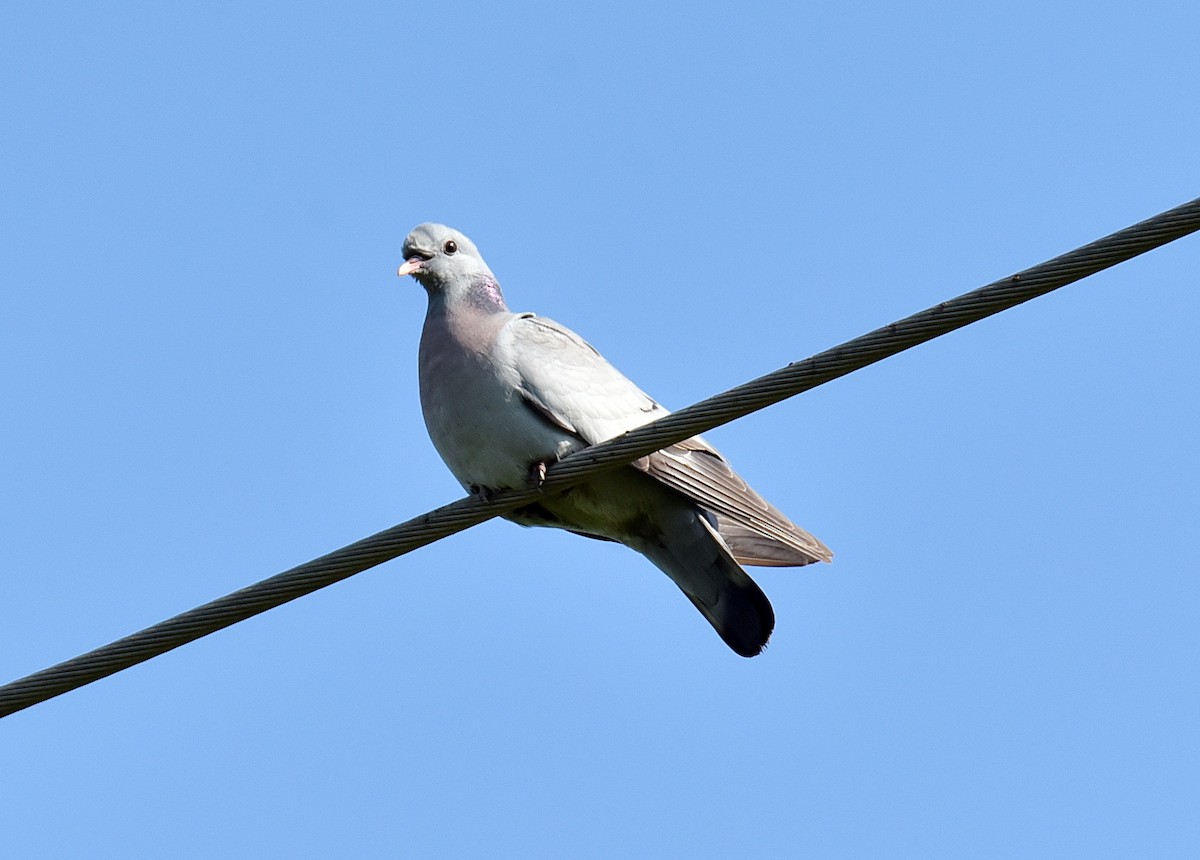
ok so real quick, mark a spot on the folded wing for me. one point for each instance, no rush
(568, 382)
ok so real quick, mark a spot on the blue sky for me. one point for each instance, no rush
(207, 371)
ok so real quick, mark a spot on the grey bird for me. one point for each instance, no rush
(507, 394)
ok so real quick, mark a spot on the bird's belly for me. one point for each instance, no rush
(624, 505)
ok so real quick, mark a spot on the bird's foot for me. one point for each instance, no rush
(535, 479)
(537, 474)
(484, 494)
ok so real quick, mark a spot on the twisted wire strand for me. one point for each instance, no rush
(701, 417)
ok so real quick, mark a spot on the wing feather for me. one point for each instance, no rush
(756, 531)
(567, 379)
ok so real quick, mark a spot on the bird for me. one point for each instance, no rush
(505, 395)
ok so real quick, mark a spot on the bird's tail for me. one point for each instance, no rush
(692, 553)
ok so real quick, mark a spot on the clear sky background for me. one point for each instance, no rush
(208, 375)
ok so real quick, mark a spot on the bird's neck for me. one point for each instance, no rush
(485, 294)
(481, 295)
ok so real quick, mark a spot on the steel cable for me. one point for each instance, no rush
(786, 382)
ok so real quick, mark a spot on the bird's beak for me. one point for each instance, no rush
(410, 266)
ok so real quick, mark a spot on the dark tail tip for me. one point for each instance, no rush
(743, 616)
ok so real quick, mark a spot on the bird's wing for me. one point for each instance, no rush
(755, 530)
(564, 378)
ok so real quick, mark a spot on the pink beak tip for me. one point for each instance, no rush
(409, 266)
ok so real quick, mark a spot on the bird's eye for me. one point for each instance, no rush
(450, 247)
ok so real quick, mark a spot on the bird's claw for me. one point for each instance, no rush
(484, 494)
(536, 477)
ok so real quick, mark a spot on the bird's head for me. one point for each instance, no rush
(440, 257)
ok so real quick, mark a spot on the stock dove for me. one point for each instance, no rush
(506, 394)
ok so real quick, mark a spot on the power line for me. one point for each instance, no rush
(786, 382)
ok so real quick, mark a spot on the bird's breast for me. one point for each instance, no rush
(475, 415)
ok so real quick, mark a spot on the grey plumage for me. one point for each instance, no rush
(505, 394)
